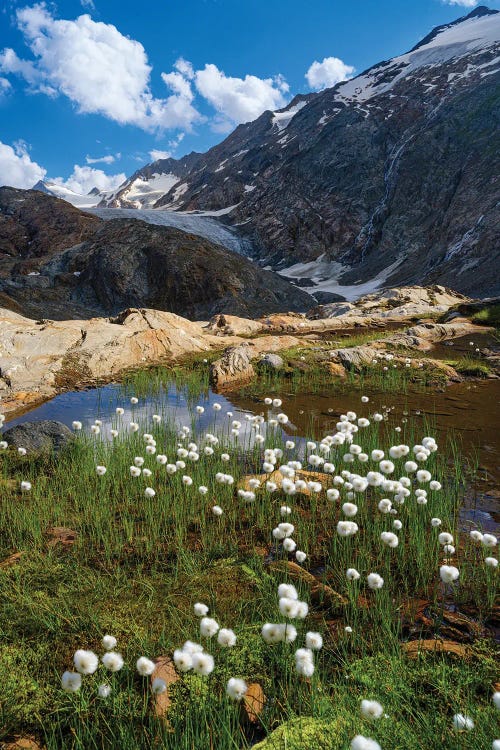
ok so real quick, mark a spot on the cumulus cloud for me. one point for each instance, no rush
(4, 86)
(239, 100)
(109, 159)
(155, 154)
(463, 3)
(322, 75)
(84, 179)
(16, 167)
(98, 69)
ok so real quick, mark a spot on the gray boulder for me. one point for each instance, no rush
(271, 362)
(44, 436)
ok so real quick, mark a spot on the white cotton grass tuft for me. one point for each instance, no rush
(314, 641)
(200, 609)
(208, 627)
(352, 574)
(462, 722)
(109, 642)
(203, 664)
(371, 709)
(448, 573)
(375, 581)
(236, 688)
(364, 743)
(183, 660)
(226, 638)
(104, 691)
(158, 686)
(112, 661)
(145, 666)
(86, 662)
(71, 682)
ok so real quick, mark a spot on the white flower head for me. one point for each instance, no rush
(71, 682)
(86, 662)
(203, 663)
(236, 688)
(226, 638)
(145, 666)
(462, 722)
(112, 661)
(109, 642)
(208, 627)
(375, 581)
(371, 709)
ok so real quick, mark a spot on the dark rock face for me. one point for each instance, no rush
(44, 436)
(396, 169)
(33, 225)
(130, 263)
(87, 267)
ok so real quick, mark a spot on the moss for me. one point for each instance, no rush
(488, 316)
(25, 695)
(472, 368)
(306, 732)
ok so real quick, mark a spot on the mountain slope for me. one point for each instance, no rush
(58, 262)
(391, 176)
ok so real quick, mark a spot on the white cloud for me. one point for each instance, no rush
(84, 179)
(239, 99)
(463, 3)
(322, 75)
(16, 167)
(98, 69)
(185, 68)
(109, 159)
(4, 86)
(87, 4)
(155, 155)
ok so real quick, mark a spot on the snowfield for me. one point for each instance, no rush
(204, 225)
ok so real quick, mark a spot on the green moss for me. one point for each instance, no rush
(488, 316)
(472, 368)
(306, 732)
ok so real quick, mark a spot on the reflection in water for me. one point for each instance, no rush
(467, 412)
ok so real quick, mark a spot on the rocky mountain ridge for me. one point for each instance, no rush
(390, 177)
(58, 262)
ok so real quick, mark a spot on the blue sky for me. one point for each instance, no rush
(91, 90)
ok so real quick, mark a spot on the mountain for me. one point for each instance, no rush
(93, 198)
(59, 262)
(388, 178)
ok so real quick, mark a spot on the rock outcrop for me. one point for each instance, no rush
(59, 262)
(234, 368)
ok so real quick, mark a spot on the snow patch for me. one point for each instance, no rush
(282, 119)
(325, 274)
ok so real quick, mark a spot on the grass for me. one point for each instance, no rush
(488, 316)
(473, 368)
(138, 564)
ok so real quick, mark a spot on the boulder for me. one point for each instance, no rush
(232, 369)
(271, 362)
(231, 325)
(355, 357)
(44, 436)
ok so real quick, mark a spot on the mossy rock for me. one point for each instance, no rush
(306, 732)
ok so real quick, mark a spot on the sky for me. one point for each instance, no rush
(91, 90)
